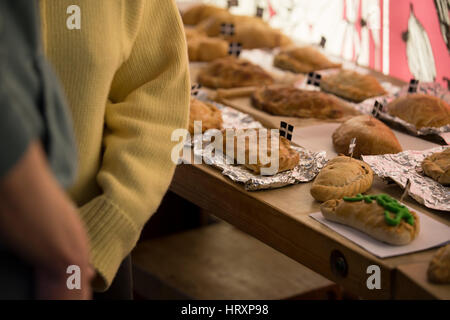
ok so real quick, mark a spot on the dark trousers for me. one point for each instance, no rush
(16, 277)
(122, 285)
(17, 280)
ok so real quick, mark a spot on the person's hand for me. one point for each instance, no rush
(40, 223)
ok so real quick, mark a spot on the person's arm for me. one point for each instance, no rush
(41, 225)
(149, 99)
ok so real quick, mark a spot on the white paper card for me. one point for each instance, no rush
(313, 137)
(446, 137)
(432, 234)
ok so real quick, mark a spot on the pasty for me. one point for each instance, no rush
(372, 137)
(379, 216)
(248, 153)
(231, 72)
(352, 86)
(421, 110)
(437, 166)
(209, 115)
(302, 60)
(292, 102)
(342, 177)
(439, 268)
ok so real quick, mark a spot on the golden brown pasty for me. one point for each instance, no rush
(437, 166)
(288, 158)
(302, 60)
(209, 115)
(203, 48)
(352, 86)
(198, 13)
(212, 25)
(367, 214)
(251, 32)
(342, 177)
(439, 268)
(258, 35)
(192, 33)
(421, 110)
(293, 102)
(372, 137)
(231, 72)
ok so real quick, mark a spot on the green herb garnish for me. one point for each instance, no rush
(390, 205)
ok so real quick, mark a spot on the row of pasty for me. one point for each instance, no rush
(418, 109)
(231, 72)
(341, 184)
(252, 32)
(372, 136)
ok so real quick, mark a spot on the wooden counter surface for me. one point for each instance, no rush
(280, 218)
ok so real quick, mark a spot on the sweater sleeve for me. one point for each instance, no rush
(149, 98)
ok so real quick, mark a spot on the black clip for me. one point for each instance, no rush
(259, 12)
(232, 3)
(413, 84)
(195, 89)
(227, 29)
(448, 82)
(286, 130)
(323, 42)
(235, 49)
(314, 79)
(377, 108)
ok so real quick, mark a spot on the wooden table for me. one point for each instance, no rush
(280, 218)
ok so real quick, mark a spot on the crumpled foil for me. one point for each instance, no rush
(434, 89)
(407, 165)
(309, 166)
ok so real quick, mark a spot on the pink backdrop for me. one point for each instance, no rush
(426, 13)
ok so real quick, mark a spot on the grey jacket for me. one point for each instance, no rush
(31, 108)
(31, 104)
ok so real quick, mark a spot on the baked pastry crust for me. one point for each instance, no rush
(439, 268)
(292, 102)
(421, 110)
(437, 166)
(200, 12)
(302, 60)
(369, 218)
(288, 158)
(372, 137)
(352, 86)
(231, 72)
(203, 48)
(251, 32)
(212, 25)
(258, 35)
(342, 177)
(210, 116)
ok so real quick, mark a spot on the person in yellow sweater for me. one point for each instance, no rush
(123, 65)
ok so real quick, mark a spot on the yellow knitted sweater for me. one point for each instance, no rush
(125, 74)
